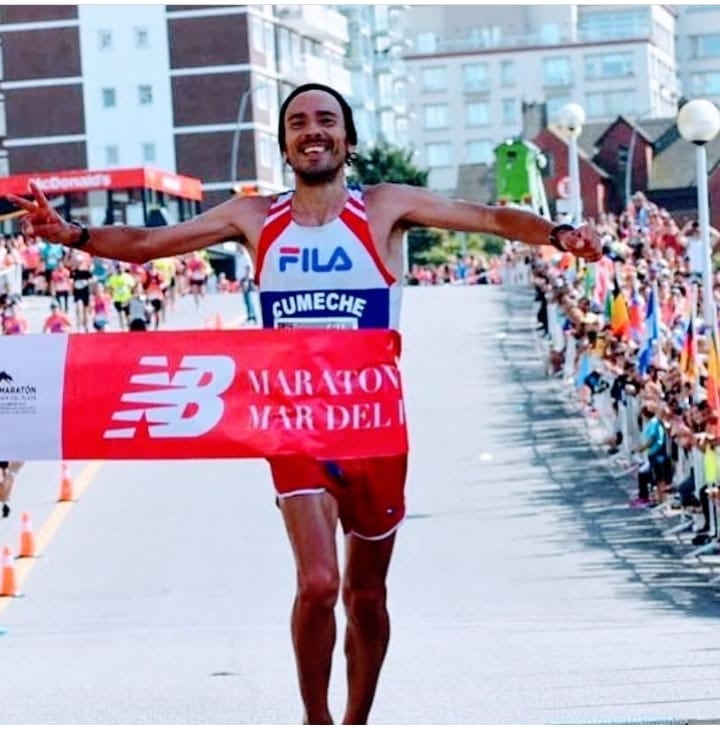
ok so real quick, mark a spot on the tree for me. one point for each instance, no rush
(385, 163)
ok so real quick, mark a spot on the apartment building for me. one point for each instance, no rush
(698, 50)
(475, 66)
(174, 87)
(378, 42)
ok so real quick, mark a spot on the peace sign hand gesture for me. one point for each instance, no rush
(42, 220)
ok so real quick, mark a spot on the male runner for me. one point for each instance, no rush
(347, 249)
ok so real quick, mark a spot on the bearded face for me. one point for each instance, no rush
(316, 146)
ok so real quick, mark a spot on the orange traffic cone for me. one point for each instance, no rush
(214, 323)
(27, 539)
(66, 485)
(8, 586)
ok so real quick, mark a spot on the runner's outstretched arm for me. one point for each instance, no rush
(408, 205)
(126, 243)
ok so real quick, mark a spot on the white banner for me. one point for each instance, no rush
(32, 373)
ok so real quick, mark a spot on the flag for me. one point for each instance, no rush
(713, 381)
(636, 316)
(619, 317)
(651, 332)
(602, 282)
(687, 356)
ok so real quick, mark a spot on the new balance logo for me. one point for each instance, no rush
(186, 405)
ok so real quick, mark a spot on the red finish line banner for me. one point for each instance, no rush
(192, 394)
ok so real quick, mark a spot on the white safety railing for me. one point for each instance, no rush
(609, 418)
(11, 280)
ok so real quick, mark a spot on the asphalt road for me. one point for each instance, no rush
(523, 589)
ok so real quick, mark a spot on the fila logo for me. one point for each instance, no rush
(186, 405)
(309, 259)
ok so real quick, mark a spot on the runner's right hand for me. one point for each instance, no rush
(42, 220)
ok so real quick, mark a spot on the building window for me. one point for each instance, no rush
(385, 90)
(507, 73)
(557, 71)
(257, 34)
(705, 46)
(105, 40)
(149, 153)
(433, 78)
(622, 156)
(109, 98)
(554, 104)
(475, 76)
(142, 38)
(112, 154)
(477, 114)
(262, 98)
(663, 38)
(608, 65)
(145, 94)
(610, 103)
(613, 24)
(436, 116)
(550, 34)
(426, 42)
(265, 152)
(479, 151)
(269, 42)
(509, 111)
(706, 83)
(438, 154)
(387, 125)
(549, 169)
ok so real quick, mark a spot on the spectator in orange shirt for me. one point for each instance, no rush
(58, 322)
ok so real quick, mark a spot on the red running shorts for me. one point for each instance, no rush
(370, 492)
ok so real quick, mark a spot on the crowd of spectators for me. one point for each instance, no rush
(87, 293)
(465, 269)
(632, 328)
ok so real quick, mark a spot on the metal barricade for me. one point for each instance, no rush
(11, 280)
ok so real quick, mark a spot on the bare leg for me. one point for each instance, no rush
(311, 523)
(368, 623)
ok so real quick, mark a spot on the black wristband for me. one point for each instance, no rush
(553, 235)
(84, 235)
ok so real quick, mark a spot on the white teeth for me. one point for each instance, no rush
(314, 149)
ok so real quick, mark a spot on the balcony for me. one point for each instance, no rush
(557, 82)
(316, 21)
(318, 70)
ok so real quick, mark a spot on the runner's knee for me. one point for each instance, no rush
(319, 588)
(363, 601)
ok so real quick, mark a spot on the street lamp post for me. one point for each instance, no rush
(698, 122)
(572, 117)
(236, 134)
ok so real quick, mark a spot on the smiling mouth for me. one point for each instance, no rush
(314, 149)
